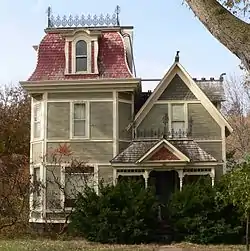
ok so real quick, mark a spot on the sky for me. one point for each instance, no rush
(160, 29)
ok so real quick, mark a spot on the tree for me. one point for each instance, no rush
(237, 191)
(237, 111)
(223, 24)
(14, 121)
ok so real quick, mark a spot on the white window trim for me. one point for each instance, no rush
(170, 119)
(87, 124)
(33, 104)
(89, 54)
(40, 198)
(63, 172)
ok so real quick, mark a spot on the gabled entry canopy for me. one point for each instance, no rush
(178, 70)
(163, 151)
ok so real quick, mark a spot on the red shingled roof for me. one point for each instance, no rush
(51, 58)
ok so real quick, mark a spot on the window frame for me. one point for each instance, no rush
(170, 117)
(37, 208)
(72, 120)
(33, 122)
(87, 40)
(81, 55)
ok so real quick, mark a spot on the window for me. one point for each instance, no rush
(81, 56)
(178, 118)
(76, 180)
(79, 120)
(37, 120)
(36, 188)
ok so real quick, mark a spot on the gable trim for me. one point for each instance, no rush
(170, 147)
(177, 68)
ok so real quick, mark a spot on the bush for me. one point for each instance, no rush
(125, 214)
(197, 215)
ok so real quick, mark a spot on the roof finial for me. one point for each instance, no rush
(49, 16)
(117, 12)
(177, 57)
(221, 76)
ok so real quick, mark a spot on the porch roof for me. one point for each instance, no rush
(138, 148)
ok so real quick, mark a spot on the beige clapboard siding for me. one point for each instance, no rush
(101, 120)
(123, 145)
(80, 95)
(53, 192)
(177, 90)
(125, 95)
(89, 152)
(58, 120)
(153, 119)
(213, 148)
(37, 153)
(203, 125)
(105, 174)
(125, 118)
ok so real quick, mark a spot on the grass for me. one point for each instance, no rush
(80, 245)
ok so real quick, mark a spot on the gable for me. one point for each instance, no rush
(192, 86)
(163, 154)
(163, 151)
(177, 90)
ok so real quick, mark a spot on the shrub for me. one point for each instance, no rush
(197, 215)
(125, 213)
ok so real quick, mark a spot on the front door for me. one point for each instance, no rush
(165, 183)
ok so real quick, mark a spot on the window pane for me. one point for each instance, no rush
(37, 110)
(75, 183)
(81, 64)
(37, 129)
(79, 111)
(178, 112)
(36, 187)
(79, 128)
(81, 48)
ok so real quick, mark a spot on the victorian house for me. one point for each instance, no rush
(85, 94)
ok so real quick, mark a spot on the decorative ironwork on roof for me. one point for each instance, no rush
(83, 20)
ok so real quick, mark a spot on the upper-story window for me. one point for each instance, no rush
(37, 121)
(177, 118)
(79, 120)
(81, 56)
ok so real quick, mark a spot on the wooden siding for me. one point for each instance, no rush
(58, 120)
(177, 90)
(101, 120)
(80, 95)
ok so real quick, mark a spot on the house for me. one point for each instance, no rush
(85, 94)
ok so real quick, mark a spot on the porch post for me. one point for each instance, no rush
(181, 176)
(114, 176)
(212, 175)
(146, 176)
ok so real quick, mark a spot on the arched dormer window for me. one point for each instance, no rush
(81, 56)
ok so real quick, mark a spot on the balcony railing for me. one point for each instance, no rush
(159, 133)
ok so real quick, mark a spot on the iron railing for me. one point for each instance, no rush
(83, 21)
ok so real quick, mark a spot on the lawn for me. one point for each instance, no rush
(79, 245)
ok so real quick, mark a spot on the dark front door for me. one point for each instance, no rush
(165, 183)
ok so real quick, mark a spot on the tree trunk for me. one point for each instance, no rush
(247, 233)
(223, 25)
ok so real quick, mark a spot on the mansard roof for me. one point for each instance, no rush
(51, 61)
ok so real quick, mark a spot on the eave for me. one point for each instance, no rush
(125, 84)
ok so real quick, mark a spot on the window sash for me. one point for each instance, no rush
(37, 120)
(79, 127)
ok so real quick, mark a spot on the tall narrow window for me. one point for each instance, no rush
(36, 188)
(81, 56)
(79, 120)
(37, 120)
(178, 118)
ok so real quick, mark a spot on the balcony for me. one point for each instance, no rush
(161, 133)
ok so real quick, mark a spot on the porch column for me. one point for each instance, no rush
(212, 175)
(114, 176)
(146, 176)
(181, 176)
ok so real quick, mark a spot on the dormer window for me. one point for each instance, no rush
(81, 56)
